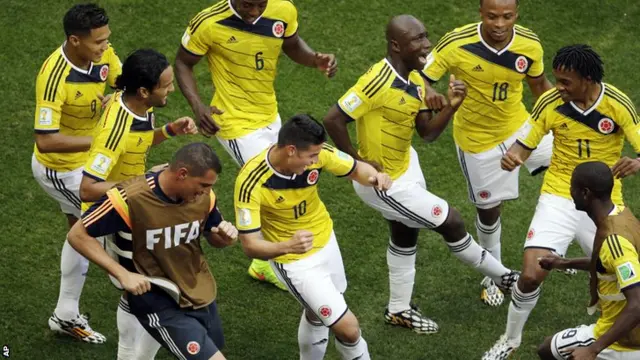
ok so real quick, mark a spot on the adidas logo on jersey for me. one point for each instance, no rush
(564, 126)
(139, 141)
(478, 68)
(78, 95)
(279, 199)
(232, 40)
(402, 101)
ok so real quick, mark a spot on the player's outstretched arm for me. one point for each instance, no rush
(255, 247)
(515, 156)
(182, 126)
(430, 127)
(336, 124)
(538, 85)
(551, 262)
(59, 143)
(92, 189)
(189, 87)
(298, 51)
(366, 175)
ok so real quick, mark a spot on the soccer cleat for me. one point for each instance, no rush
(491, 294)
(508, 280)
(502, 349)
(262, 271)
(412, 319)
(569, 272)
(78, 328)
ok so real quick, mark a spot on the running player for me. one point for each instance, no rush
(242, 41)
(166, 212)
(492, 57)
(590, 120)
(281, 218)
(615, 275)
(387, 104)
(119, 152)
(69, 89)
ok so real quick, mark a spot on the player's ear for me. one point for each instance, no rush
(291, 150)
(144, 93)
(395, 46)
(182, 173)
(73, 40)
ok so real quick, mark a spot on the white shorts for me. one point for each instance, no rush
(244, 148)
(556, 223)
(64, 187)
(488, 185)
(582, 336)
(407, 201)
(317, 282)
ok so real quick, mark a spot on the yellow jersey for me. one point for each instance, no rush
(242, 60)
(279, 205)
(618, 268)
(493, 109)
(384, 106)
(594, 134)
(120, 148)
(67, 102)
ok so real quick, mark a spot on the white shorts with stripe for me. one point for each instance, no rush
(407, 201)
(488, 185)
(244, 148)
(582, 336)
(556, 223)
(317, 282)
(64, 187)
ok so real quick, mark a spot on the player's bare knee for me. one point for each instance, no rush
(347, 329)
(453, 228)
(403, 236)
(489, 216)
(529, 280)
(218, 356)
(544, 350)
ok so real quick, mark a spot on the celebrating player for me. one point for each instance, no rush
(165, 213)
(281, 218)
(242, 40)
(492, 57)
(119, 152)
(589, 120)
(69, 89)
(614, 269)
(387, 104)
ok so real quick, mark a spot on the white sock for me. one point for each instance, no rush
(313, 339)
(489, 237)
(147, 346)
(519, 309)
(469, 252)
(358, 350)
(402, 273)
(127, 331)
(73, 272)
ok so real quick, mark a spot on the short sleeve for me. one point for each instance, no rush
(335, 161)
(215, 217)
(197, 39)
(436, 66)
(627, 118)
(539, 123)
(537, 67)
(362, 97)
(292, 19)
(619, 256)
(247, 201)
(108, 145)
(49, 101)
(115, 67)
(102, 218)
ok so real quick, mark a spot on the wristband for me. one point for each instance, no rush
(167, 131)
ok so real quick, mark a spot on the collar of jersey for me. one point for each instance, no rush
(135, 116)
(86, 72)
(616, 210)
(159, 193)
(240, 17)
(395, 72)
(292, 177)
(595, 104)
(497, 52)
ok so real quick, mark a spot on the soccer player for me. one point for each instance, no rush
(281, 218)
(387, 104)
(69, 89)
(165, 213)
(119, 152)
(615, 274)
(492, 57)
(589, 120)
(242, 41)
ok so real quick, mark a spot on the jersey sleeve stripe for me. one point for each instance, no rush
(458, 36)
(118, 129)
(380, 84)
(208, 11)
(60, 63)
(375, 78)
(613, 247)
(55, 86)
(252, 174)
(249, 231)
(528, 36)
(120, 205)
(543, 103)
(253, 184)
(197, 24)
(616, 244)
(452, 34)
(525, 30)
(328, 147)
(624, 101)
(103, 209)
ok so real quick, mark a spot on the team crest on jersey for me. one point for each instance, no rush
(484, 194)
(278, 29)
(313, 176)
(104, 72)
(324, 311)
(521, 64)
(530, 234)
(193, 347)
(605, 125)
(436, 211)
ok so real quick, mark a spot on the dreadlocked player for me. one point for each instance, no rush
(589, 120)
